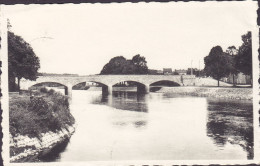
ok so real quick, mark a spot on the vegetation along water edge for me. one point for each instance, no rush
(39, 121)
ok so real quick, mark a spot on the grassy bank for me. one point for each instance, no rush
(45, 111)
(214, 92)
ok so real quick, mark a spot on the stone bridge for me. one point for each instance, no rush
(107, 81)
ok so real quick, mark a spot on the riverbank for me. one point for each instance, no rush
(39, 121)
(214, 92)
(26, 149)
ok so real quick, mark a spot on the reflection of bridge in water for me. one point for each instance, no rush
(123, 101)
(107, 82)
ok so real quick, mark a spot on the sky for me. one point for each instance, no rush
(82, 38)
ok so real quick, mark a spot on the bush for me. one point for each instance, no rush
(39, 115)
(51, 92)
(44, 90)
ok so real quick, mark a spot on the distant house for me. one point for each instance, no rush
(167, 71)
(181, 72)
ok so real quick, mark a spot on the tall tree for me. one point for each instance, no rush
(231, 54)
(244, 57)
(140, 64)
(216, 64)
(22, 61)
(232, 50)
(116, 65)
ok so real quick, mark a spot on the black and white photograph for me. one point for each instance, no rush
(130, 82)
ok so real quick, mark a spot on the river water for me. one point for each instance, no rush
(156, 126)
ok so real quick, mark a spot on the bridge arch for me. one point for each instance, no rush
(165, 83)
(106, 89)
(131, 81)
(50, 84)
(141, 87)
(97, 82)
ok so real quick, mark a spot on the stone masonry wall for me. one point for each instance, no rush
(226, 93)
(33, 146)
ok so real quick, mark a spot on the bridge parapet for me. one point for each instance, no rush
(110, 80)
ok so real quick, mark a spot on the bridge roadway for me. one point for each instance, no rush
(107, 81)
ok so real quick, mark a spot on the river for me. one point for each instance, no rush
(156, 126)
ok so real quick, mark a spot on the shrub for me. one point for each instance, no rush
(44, 90)
(51, 92)
(49, 112)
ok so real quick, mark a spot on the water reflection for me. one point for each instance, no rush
(232, 122)
(54, 154)
(140, 123)
(156, 126)
(130, 101)
(137, 124)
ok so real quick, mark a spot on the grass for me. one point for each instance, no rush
(33, 113)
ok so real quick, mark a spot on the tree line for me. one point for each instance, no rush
(219, 64)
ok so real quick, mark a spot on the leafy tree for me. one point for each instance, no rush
(128, 68)
(244, 57)
(231, 54)
(232, 50)
(22, 61)
(116, 65)
(202, 73)
(120, 65)
(216, 64)
(140, 64)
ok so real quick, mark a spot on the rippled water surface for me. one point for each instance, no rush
(156, 126)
